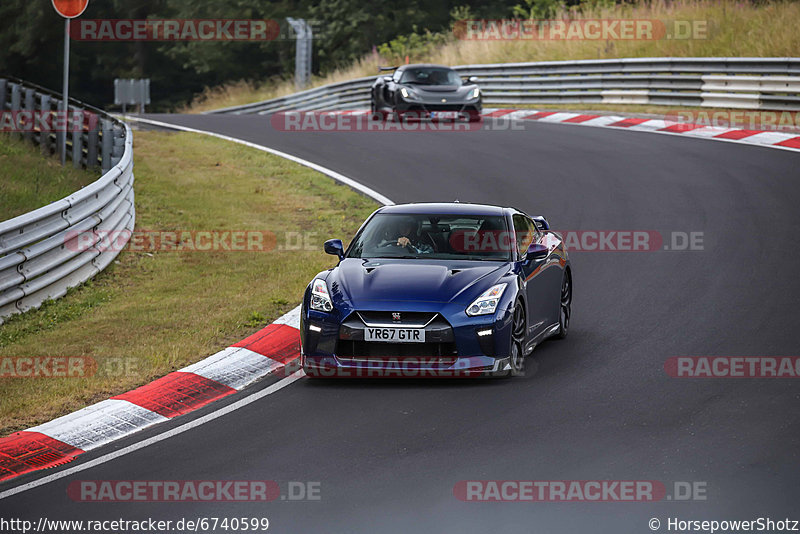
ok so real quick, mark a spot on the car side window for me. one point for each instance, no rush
(534, 231)
(523, 232)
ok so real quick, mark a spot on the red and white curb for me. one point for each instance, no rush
(267, 352)
(772, 139)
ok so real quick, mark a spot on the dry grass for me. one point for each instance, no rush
(243, 92)
(736, 29)
(150, 314)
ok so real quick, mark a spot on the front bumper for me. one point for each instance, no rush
(334, 346)
(421, 109)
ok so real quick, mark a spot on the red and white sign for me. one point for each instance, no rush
(70, 8)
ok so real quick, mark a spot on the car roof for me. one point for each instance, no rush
(444, 208)
(417, 65)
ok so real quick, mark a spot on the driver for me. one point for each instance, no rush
(405, 233)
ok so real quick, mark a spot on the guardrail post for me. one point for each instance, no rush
(107, 143)
(16, 102)
(91, 145)
(119, 145)
(3, 93)
(44, 137)
(30, 106)
(60, 134)
(77, 138)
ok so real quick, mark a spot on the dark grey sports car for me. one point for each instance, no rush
(426, 91)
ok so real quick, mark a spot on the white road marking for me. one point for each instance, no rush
(155, 439)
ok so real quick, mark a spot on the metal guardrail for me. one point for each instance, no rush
(51, 249)
(748, 83)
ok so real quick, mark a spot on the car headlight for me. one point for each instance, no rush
(410, 95)
(487, 303)
(475, 93)
(320, 298)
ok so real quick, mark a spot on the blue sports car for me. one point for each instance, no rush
(435, 290)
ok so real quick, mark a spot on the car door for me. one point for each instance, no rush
(551, 273)
(531, 274)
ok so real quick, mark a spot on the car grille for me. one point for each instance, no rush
(438, 350)
(441, 107)
(371, 318)
(421, 353)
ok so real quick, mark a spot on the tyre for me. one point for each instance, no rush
(565, 306)
(517, 347)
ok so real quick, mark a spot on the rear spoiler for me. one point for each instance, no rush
(384, 69)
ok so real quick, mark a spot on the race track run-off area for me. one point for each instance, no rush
(396, 455)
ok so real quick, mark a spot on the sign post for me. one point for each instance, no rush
(69, 9)
(302, 62)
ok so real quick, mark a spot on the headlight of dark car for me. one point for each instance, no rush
(408, 94)
(475, 93)
(320, 297)
(486, 304)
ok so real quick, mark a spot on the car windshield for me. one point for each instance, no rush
(431, 76)
(441, 237)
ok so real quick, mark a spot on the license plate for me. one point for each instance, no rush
(445, 115)
(395, 335)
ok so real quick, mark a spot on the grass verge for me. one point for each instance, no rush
(30, 181)
(151, 313)
(740, 29)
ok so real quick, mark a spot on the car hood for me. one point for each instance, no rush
(361, 281)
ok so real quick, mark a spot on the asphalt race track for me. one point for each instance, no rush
(596, 406)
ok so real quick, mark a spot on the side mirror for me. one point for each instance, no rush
(387, 78)
(541, 223)
(536, 252)
(335, 247)
(472, 79)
